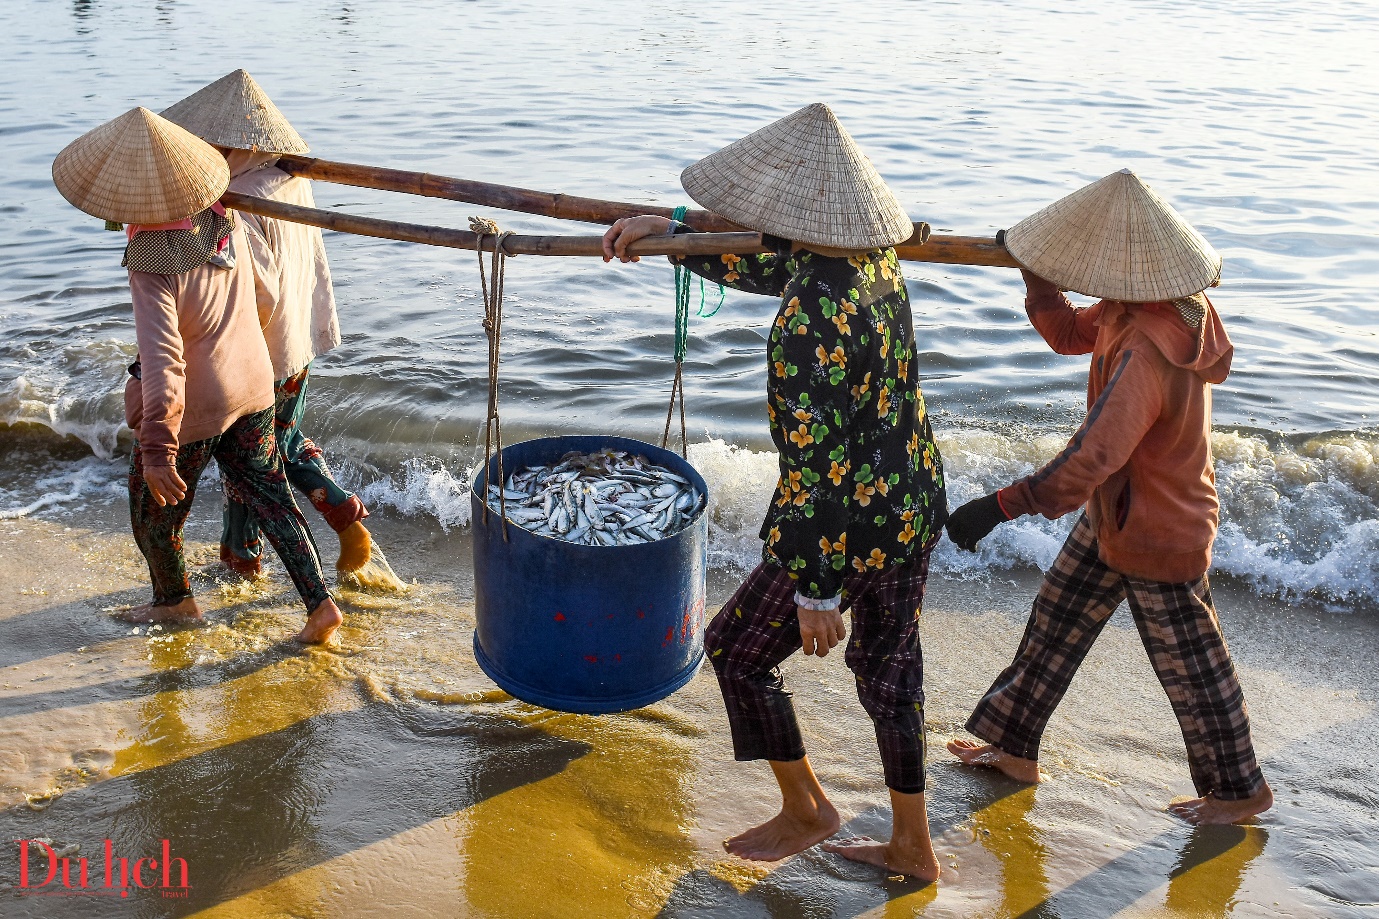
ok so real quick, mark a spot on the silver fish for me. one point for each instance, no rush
(604, 498)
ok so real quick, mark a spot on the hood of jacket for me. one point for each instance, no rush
(1205, 350)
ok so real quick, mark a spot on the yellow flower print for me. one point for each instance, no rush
(860, 388)
(863, 494)
(731, 261)
(842, 544)
(771, 413)
(822, 355)
(883, 402)
(841, 321)
(824, 545)
(793, 306)
(907, 516)
(878, 558)
(773, 537)
(801, 438)
(886, 268)
(913, 445)
(779, 368)
(907, 534)
(837, 473)
(839, 356)
(885, 347)
(848, 307)
(794, 480)
(881, 487)
(928, 459)
(802, 497)
(802, 415)
(902, 369)
(857, 563)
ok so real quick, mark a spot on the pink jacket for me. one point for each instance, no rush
(1141, 461)
(203, 360)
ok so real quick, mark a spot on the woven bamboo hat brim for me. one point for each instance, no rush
(1116, 240)
(802, 178)
(234, 111)
(140, 168)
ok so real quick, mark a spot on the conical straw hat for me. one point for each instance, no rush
(140, 168)
(1116, 240)
(802, 178)
(234, 111)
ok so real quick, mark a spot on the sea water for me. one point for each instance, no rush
(1254, 120)
(387, 775)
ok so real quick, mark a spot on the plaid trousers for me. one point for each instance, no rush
(1178, 626)
(759, 628)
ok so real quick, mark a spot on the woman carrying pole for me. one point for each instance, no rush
(860, 499)
(202, 387)
(1140, 470)
(296, 307)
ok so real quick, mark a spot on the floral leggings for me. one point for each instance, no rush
(248, 458)
(305, 468)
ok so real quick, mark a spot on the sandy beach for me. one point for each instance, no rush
(389, 777)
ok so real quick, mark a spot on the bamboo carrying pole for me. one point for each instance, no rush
(687, 244)
(923, 247)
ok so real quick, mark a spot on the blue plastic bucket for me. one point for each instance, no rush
(588, 629)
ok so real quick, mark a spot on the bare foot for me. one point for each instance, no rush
(249, 568)
(1017, 768)
(788, 833)
(354, 548)
(1212, 810)
(321, 624)
(918, 864)
(184, 611)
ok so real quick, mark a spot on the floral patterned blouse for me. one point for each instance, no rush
(861, 482)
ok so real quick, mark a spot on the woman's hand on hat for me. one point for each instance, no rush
(165, 484)
(628, 230)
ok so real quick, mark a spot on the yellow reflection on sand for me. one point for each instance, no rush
(608, 836)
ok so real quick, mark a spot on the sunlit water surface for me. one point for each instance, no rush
(1256, 120)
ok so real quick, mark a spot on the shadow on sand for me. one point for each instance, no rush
(253, 812)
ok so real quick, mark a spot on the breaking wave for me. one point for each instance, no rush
(1300, 514)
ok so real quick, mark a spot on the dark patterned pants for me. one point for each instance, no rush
(759, 628)
(305, 467)
(248, 458)
(1178, 626)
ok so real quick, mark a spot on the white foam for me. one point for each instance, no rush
(424, 486)
(86, 479)
(1300, 517)
(80, 395)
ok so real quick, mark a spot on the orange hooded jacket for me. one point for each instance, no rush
(1141, 461)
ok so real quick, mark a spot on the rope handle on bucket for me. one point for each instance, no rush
(682, 297)
(493, 328)
(677, 387)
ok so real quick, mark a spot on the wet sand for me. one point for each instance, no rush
(388, 777)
